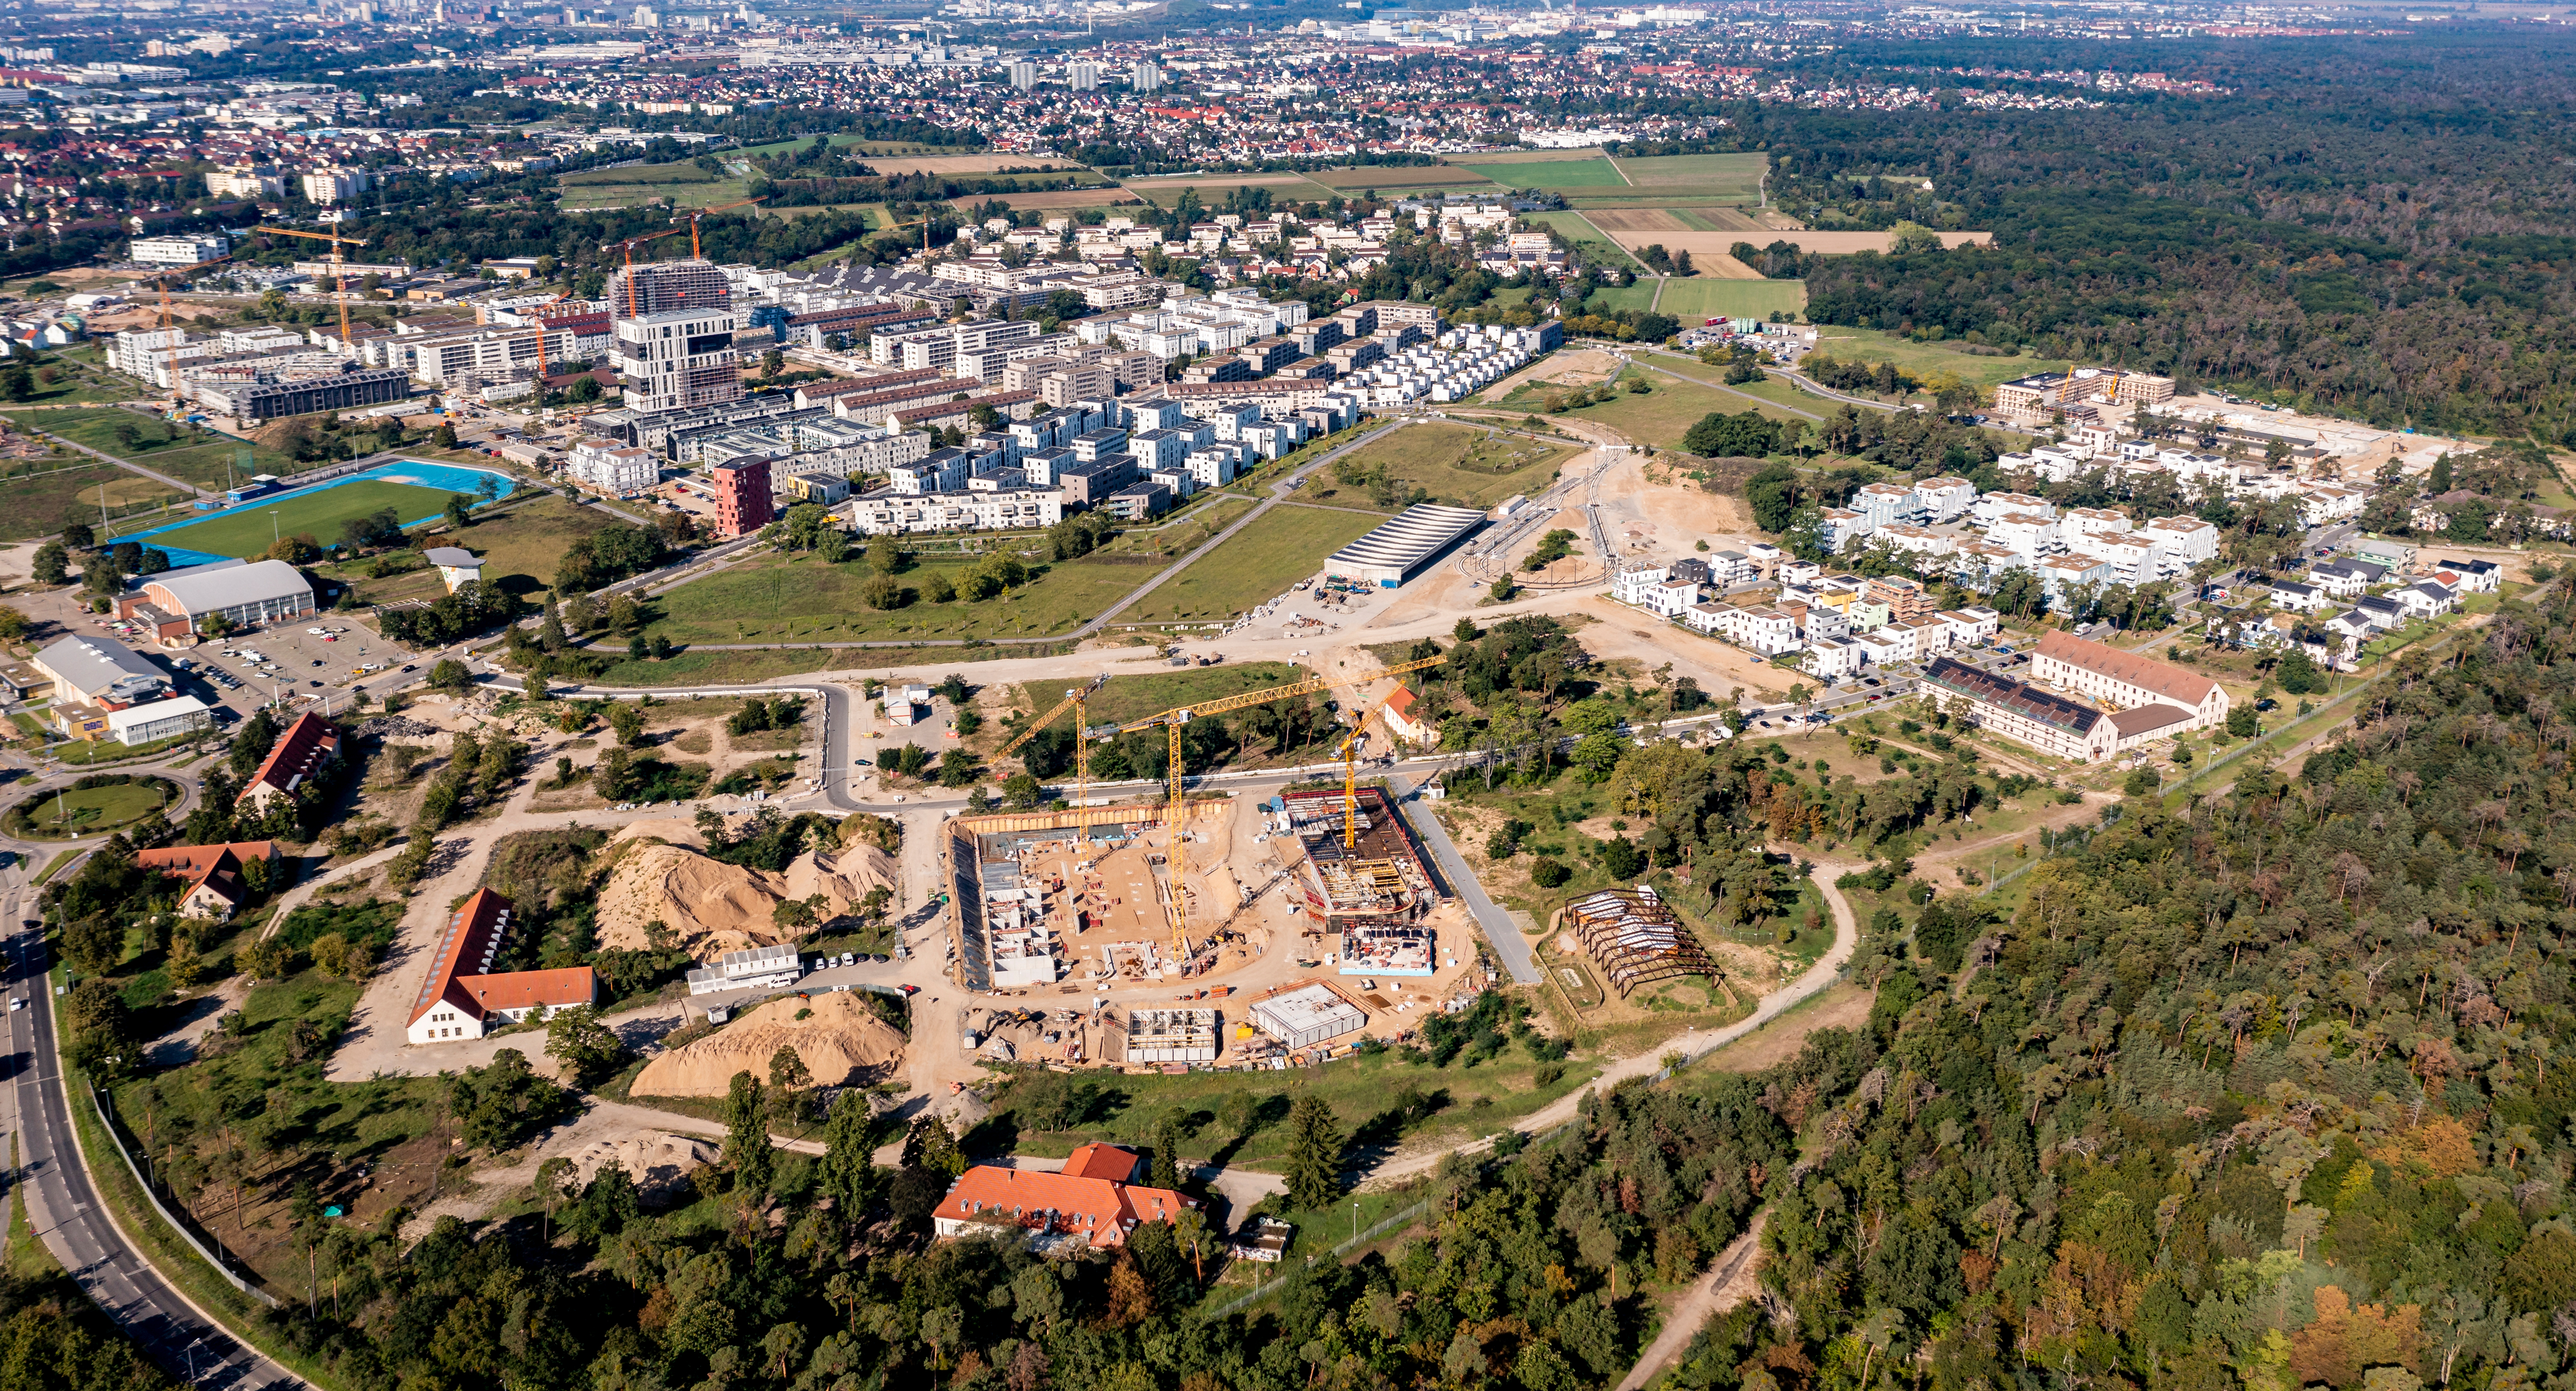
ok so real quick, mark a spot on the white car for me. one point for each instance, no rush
(317, 632)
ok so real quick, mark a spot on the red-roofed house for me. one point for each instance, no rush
(1089, 1206)
(213, 872)
(307, 746)
(1402, 716)
(462, 997)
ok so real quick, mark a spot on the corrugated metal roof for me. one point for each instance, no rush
(1410, 538)
(92, 664)
(208, 589)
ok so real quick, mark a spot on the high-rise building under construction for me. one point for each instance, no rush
(671, 336)
(658, 286)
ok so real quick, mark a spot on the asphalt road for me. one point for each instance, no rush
(64, 1209)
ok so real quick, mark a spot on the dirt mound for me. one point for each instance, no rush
(678, 830)
(657, 1163)
(840, 1039)
(712, 907)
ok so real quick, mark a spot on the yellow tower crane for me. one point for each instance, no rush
(1350, 768)
(1074, 699)
(1176, 906)
(339, 274)
(695, 213)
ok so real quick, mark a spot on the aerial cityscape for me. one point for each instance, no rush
(1169, 695)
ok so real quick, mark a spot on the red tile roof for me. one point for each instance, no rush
(1099, 1210)
(470, 934)
(2163, 678)
(301, 751)
(1113, 1162)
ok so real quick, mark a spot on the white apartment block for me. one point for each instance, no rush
(2057, 572)
(887, 513)
(1909, 539)
(676, 359)
(176, 251)
(1668, 598)
(1630, 586)
(1990, 507)
(1844, 529)
(2187, 541)
(613, 469)
(2024, 534)
(1884, 503)
(2090, 521)
(1833, 658)
(1971, 626)
(1945, 499)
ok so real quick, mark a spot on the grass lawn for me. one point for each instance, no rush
(1714, 176)
(93, 810)
(1693, 300)
(1134, 697)
(1464, 465)
(802, 599)
(1924, 359)
(1638, 296)
(250, 531)
(1399, 176)
(1258, 565)
(39, 505)
(1595, 244)
(1663, 416)
(685, 184)
(520, 546)
(1530, 156)
(1283, 188)
(161, 446)
(1557, 174)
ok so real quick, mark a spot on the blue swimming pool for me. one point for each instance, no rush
(419, 473)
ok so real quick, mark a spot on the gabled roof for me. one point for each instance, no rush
(1113, 1162)
(301, 751)
(1102, 1211)
(2163, 678)
(465, 943)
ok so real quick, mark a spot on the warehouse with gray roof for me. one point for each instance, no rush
(1404, 547)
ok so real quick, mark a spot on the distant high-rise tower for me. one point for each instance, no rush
(1082, 77)
(1146, 77)
(1024, 75)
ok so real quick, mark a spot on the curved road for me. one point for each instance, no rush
(65, 1210)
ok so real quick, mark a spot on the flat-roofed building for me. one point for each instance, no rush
(1307, 1016)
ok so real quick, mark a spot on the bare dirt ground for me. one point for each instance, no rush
(1565, 368)
(1730, 1280)
(1719, 667)
(1643, 499)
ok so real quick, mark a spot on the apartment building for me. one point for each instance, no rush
(2125, 679)
(679, 359)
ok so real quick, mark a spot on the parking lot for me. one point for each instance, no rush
(297, 661)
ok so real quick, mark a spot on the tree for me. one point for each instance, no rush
(1314, 1153)
(50, 563)
(746, 1147)
(18, 384)
(449, 675)
(587, 1049)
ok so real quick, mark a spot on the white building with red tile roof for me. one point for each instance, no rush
(462, 997)
(1089, 1205)
(307, 746)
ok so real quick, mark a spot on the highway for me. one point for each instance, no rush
(62, 1206)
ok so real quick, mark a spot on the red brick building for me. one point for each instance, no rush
(742, 496)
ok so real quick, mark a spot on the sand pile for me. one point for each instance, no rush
(659, 1164)
(841, 1040)
(712, 907)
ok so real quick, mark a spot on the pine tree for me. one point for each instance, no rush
(1314, 1153)
(746, 1146)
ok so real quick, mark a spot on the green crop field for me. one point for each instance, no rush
(802, 599)
(1736, 177)
(685, 184)
(1562, 173)
(1463, 464)
(249, 531)
(1258, 565)
(1693, 300)
(1529, 156)
(1399, 176)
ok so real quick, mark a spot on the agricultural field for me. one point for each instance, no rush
(249, 531)
(1717, 178)
(1559, 174)
(53, 493)
(803, 599)
(1288, 188)
(1463, 464)
(1694, 300)
(685, 184)
(1258, 565)
(200, 457)
(1635, 228)
(1531, 156)
(1399, 176)
(1053, 200)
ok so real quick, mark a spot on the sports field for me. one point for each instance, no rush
(249, 531)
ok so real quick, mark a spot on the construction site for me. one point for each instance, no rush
(1354, 868)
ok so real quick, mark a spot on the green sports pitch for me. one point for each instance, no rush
(249, 531)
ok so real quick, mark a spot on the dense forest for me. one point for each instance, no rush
(2371, 226)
